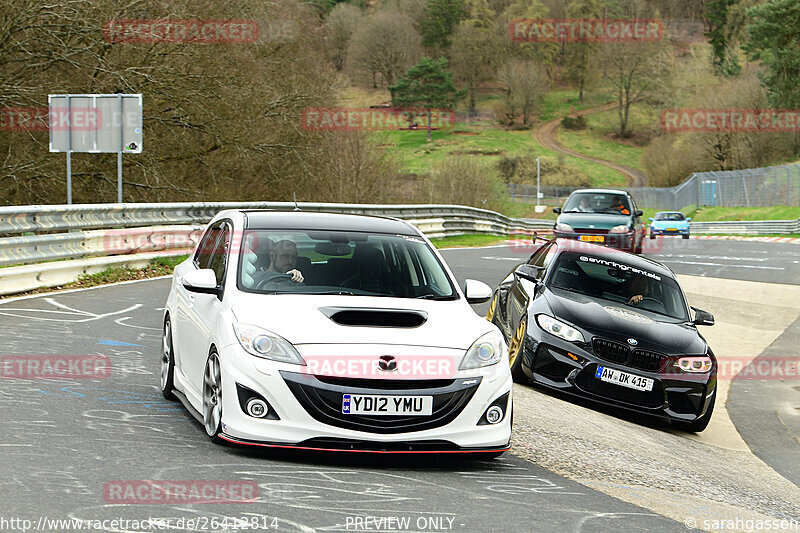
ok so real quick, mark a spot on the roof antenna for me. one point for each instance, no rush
(294, 194)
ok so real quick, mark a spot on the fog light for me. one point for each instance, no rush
(494, 414)
(257, 408)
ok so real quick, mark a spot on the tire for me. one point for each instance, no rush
(212, 398)
(637, 249)
(701, 423)
(515, 351)
(167, 362)
(685, 236)
(652, 235)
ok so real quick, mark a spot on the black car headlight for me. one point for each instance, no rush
(560, 329)
(695, 365)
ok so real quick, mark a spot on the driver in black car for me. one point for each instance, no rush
(283, 258)
(637, 288)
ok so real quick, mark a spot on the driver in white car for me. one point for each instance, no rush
(283, 258)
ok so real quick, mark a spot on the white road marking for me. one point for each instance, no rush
(699, 263)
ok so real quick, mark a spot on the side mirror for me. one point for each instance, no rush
(638, 213)
(689, 219)
(557, 210)
(476, 291)
(529, 272)
(203, 281)
(702, 318)
(650, 219)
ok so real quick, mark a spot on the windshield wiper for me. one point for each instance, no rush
(434, 297)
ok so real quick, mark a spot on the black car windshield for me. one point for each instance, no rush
(335, 262)
(594, 202)
(669, 216)
(616, 281)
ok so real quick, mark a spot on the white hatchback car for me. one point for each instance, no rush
(337, 332)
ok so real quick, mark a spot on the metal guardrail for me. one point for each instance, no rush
(751, 227)
(74, 232)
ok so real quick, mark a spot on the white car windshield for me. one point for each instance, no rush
(336, 262)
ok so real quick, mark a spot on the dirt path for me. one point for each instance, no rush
(545, 135)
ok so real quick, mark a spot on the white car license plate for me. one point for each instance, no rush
(624, 379)
(367, 404)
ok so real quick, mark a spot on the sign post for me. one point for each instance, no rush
(95, 123)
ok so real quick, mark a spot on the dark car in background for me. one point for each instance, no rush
(609, 326)
(601, 216)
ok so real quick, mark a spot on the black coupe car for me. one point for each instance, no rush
(610, 326)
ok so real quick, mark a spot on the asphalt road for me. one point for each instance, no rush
(64, 440)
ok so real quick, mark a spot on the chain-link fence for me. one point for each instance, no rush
(755, 187)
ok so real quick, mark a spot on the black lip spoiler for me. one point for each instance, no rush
(355, 449)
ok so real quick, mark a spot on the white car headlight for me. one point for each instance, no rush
(620, 229)
(559, 329)
(488, 350)
(262, 343)
(563, 227)
(695, 364)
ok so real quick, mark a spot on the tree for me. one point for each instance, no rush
(427, 84)
(543, 52)
(635, 72)
(221, 122)
(341, 23)
(386, 44)
(441, 19)
(773, 39)
(723, 56)
(474, 55)
(580, 55)
(523, 82)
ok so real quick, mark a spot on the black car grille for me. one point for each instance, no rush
(616, 352)
(323, 401)
(587, 382)
(646, 360)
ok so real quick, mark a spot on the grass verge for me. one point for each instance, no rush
(462, 241)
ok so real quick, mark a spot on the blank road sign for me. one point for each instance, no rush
(96, 123)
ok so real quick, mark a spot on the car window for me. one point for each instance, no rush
(616, 281)
(219, 256)
(346, 263)
(593, 202)
(208, 242)
(669, 216)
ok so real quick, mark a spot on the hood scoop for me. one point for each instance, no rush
(375, 317)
